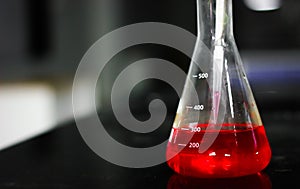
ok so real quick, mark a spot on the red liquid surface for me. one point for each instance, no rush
(234, 152)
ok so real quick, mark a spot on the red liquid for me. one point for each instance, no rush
(233, 153)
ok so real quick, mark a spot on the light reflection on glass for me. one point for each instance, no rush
(265, 5)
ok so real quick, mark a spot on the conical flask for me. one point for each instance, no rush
(218, 131)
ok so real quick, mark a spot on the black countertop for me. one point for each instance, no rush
(61, 159)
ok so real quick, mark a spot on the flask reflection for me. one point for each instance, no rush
(255, 181)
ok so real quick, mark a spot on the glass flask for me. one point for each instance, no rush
(217, 131)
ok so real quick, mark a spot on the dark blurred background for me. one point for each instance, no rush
(42, 43)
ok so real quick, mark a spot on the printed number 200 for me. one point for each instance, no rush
(194, 145)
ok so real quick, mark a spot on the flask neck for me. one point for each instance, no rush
(214, 20)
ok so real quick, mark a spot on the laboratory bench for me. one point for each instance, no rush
(61, 159)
